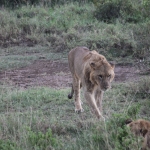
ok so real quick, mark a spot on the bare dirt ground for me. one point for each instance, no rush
(55, 74)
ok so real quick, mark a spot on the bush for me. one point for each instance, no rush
(109, 10)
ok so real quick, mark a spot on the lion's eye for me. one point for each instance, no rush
(109, 76)
(100, 76)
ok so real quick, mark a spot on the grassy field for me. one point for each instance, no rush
(42, 118)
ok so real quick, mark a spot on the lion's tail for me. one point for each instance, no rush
(72, 92)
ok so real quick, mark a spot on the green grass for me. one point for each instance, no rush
(29, 117)
(17, 57)
(42, 118)
(31, 32)
(67, 26)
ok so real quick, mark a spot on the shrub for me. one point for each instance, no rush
(109, 10)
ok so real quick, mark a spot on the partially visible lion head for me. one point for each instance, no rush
(101, 72)
(135, 127)
(138, 127)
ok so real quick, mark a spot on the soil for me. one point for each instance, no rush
(56, 74)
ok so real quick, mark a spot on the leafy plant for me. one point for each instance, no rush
(8, 145)
(42, 140)
(133, 111)
(110, 10)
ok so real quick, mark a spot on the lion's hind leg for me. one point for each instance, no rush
(72, 92)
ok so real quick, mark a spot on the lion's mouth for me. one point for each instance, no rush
(105, 88)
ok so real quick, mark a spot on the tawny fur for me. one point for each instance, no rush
(91, 71)
(141, 127)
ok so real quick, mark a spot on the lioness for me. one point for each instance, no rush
(141, 127)
(91, 71)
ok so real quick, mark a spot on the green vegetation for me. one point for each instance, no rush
(127, 11)
(41, 118)
(121, 37)
(42, 141)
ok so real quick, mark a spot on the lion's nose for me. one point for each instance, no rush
(106, 87)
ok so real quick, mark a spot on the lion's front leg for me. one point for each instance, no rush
(76, 86)
(92, 102)
(98, 98)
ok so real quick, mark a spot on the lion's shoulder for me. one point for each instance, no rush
(94, 56)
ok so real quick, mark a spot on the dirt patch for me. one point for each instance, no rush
(56, 74)
(126, 73)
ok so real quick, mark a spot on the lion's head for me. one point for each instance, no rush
(135, 127)
(101, 72)
(138, 126)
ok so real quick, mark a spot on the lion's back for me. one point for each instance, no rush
(76, 59)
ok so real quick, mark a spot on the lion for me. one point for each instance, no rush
(91, 71)
(141, 127)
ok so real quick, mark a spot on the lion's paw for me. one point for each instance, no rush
(79, 110)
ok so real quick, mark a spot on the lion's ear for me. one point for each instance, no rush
(88, 56)
(93, 65)
(128, 121)
(143, 132)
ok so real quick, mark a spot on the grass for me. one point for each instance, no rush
(44, 32)
(42, 118)
(43, 115)
(18, 56)
(67, 26)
